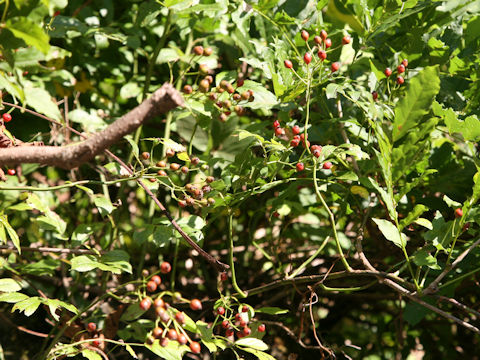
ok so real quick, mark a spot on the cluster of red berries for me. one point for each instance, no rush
(239, 322)
(169, 320)
(323, 42)
(197, 193)
(298, 137)
(400, 70)
(225, 105)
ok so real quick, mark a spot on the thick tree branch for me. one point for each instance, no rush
(163, 100)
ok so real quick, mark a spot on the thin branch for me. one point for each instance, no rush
(7, 248)
(433, 287)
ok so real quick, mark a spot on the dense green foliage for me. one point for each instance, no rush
(364, 247)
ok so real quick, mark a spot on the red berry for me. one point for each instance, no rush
(96, 343)
(374, 95)
(244, 308)
(279, 131)
(159, 303)
(276, 124)
(238, 317)
(458, 212)
(327, 165)
(224, 276)
(56, 13)
(225, 324)
(305, 35)
(400, 80)
(405, 62)
(91, 326)
(466, 226)
(11, 172)
(182, 339)
(335, 66)
(157, 332)
(180, 317)
(240, 82)
(346, 40)
(156, 279)
(317, 39)
(165, 267)
(187, 89)
(316, 153)
(172, 334)
(195, 347)
(294, 143)
(328, 43)
(207, 51)
(246, 331)
(163, 342)
(288, 64)
(198, 50)
(145, 304)
(388, 72)
(229, 332)
(322, 54)
(151, 286)
(261, 328)
(323, 34)
(7, 117)
(221, 310)
(300, 166)
(296, 130)
(400, 68)
(307, 58)
(196, 304)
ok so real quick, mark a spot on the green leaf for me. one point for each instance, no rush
(11, 232)
(259, 354)
(451, 203)
(272, 310)
(13, 297)
(264, 99)
(30, 32)
(442, 233)
(252, 343)
(420, 93)
(9, 285)
(103, 204)
(387, 199)
(29, 306)
(424, 258)
(173, 351)
(418, 210)
(206, 335)
(41, 101)
(91, 355)
(424, 222)
(391, 232)
(115, 261)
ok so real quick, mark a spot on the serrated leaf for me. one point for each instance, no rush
(115, 261)
(28, 306)
(441, 234)
(207, 335)
(418, 210)
(391, 232)
(420, 93)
